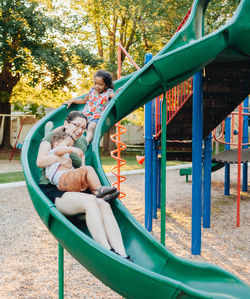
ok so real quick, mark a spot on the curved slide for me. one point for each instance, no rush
(155, 272)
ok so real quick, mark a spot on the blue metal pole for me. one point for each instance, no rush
(158, 179)
(197, 133)
(245, 140)
(60, 271)
(227, 147)
(207, 181)
(148, 159)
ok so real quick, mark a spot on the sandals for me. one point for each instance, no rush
(104, 190)
(128, 257)
(111, 197)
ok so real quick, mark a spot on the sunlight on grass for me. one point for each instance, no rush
(11, 177)
(107, 163)
(131, 164)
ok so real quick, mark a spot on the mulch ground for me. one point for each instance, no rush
(28, 252)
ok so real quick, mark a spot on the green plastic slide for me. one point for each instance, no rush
(155, 272)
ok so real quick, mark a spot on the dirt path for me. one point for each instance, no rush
(28, 252)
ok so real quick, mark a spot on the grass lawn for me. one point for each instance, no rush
(11, 177)
(107, 163)
(131, 164)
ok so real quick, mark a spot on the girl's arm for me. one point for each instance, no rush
(45, 160)
(76, 101)
(112, 94)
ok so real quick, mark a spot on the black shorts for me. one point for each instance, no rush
(52, 192)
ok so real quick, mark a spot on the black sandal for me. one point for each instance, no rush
(128, 257)
(104, 190)
(111, 197)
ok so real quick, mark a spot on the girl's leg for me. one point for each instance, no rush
(111, 227)
(72, 203)
(90, 131)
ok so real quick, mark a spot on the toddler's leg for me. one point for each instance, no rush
(94, 184)
(90, 131)
(73, 180)
(82, 178)
(79, 179)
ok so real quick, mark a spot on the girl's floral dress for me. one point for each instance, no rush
(96, 104)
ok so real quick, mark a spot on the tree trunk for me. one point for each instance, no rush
(7, 83)
(5, 109)
(108, 144)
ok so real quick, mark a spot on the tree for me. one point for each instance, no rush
(36, 45)
(139, 26)
(218, 13)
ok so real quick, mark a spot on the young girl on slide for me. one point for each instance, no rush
(95, 101)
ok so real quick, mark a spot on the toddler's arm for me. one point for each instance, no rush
(61, 150)
(76, 101)
(45, 160)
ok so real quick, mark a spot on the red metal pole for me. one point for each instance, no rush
(119, 62)
(156, 115)
(129, 57)
(175, 98)
(14, 148)
(223, 129)
(119, 68)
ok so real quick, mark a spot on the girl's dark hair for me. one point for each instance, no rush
(74, 114)
(107, 78)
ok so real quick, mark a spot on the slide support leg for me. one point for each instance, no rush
(197, 163)
(60, 271)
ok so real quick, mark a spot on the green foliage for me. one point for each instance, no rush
(24, 94)
(30, 108)
(218, 13)
(136, 118)
(140, 26)
(44, 43)
(35, 43)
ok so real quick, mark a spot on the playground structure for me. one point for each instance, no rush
(179, 149)
(239, 155)
(21, 121)
(156, 272)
